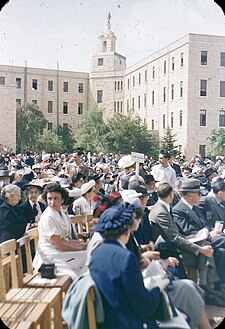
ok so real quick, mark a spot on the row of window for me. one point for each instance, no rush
(203, 118)
(50, 110)
(204, 58)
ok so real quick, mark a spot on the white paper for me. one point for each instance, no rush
(39, 280)
(199, 236)
(159, 240)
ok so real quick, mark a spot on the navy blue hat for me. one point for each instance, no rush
(114, 217)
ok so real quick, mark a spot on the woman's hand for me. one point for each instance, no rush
(172, 261)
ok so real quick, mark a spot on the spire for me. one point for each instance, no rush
(108, 24)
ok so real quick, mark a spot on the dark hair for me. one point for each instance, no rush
(218, 186)
(164, 189)
(77, 177)
(165, 153)
(55, 187)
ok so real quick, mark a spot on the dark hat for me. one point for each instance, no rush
(218, 186)
(209, 171)
(190, 185)
(149, 178)
(77, 177)
(139, 187)
(95, 177)
(114, 217)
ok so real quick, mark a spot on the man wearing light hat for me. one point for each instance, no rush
(190, 219)
(126, 165)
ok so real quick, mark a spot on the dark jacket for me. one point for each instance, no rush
(28, 210)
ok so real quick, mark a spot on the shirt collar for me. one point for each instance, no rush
(187, 203)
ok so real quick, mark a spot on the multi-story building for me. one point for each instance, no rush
(182, 86)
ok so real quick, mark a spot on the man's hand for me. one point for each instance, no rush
(172, 261)
(215, 233)
(206, 251)
(151, 254)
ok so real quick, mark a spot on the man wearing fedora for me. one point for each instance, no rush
(194, 255)
(210, 173)
(190, 219)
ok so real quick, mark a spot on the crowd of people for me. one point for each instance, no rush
(169, 216)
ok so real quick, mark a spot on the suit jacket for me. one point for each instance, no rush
(213, 210)
(163, 224)
(189, 220)
(116, 272)
(26, 207)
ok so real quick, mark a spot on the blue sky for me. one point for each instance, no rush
(50, 31)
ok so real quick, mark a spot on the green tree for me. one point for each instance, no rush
(91, 131)
(67, 138)
(30, 124)
(126, 134)
(168, 140)
(51, 142)
(216, 142)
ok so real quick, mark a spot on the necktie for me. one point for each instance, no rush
(35, 209)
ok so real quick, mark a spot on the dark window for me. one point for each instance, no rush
(50, 85)
(164, 121)
(181, 118)
(164, 67)
(99, 96)
(121, 107)
(118, 85)
(139, 78)
(80, 88)
(145, 100)
(202, 149)
(203, 57)
(173, 64)
(133, 104)
(139, 102)
(182, 59)
(153, 97)
(153, 124)
(222, 59)
(164, 94)
(128, 83)
(172, 91)
(80, 109)
(65, 87)
(18, 101)
(2, 81)
(222, 118)
(50, 126)
(65, 107)
(18, 83)
(65, 126)
(146, 75)
(133, 81)
(34, 84)
(171, 119)
(222, 88)
(34, 101)
(153, 72)
(203, 87)
(121, 85)
(50, 106)
(114, 107)
(202, 118)
(181, 89)
(128, 105)
(100, 61)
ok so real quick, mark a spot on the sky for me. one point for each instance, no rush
(48, 32)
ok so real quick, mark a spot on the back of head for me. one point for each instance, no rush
(164, 189)
(218, 186)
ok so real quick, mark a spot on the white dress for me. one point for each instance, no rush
(66, 262)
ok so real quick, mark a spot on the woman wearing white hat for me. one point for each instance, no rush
(82, 205)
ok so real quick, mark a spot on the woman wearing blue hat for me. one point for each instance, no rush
(116, 272)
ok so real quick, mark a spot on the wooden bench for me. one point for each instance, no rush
(91, 308)
(19, 324)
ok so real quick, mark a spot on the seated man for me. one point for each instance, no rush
(190, 219)
(195, 255)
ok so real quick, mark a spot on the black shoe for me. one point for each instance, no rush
(214, 300)
(208, 290)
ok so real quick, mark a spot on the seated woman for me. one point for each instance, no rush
(13, 220)
(116, 272)
(58, 241)
(82, 205)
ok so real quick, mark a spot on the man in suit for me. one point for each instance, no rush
(190, 220)
(210, 173)
(213, 203)
(195, 255)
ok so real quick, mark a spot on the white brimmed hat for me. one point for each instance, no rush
(87, 186)
(126, 162)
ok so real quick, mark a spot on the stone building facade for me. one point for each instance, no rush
(182, 86)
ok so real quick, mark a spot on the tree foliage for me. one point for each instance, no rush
(51, 142)
(30, 124)
(168, 140)
(67, 138)
(216, 142)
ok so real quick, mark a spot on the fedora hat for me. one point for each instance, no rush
(139, 186)
(209, 171)
(87, 186)
(190, 185)
(34, 183)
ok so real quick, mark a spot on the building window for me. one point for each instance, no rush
(50, 106)
(146, 75)
(65, 87)
(182, 59)
(171, 120)
(121, 107)
(153, 97)
(181, 88)
(203, 57)
(34, 101)
(164, 67)
(2, 81)
(164, 121)
(128, 83)
(139, 102)
(145, 100)
(173, 64)
(65, 126)
(18, 101)
(181, 118)
(99, 96)
(65, 107)
(202, 149)
(18, 83)
(133, 81)
(100, 61)
(222, 118)
(139, 78)
(133, 103)
(118, 85)
(34, 84)
(114, 107)
(115, 86)
(202, 118)
(50, 85)
(121, 84)
(153, 124)
(128, 105)
(164, 94)
(153, 72)
(172, 91)
(222, 88)
(222, 59)
(203, 87)
(80, 109)
(50, 126)
(80, 88)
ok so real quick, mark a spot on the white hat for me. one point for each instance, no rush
(36, 166)
(87, 186)
(45, 157)
(129, 195)
(126, 162)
